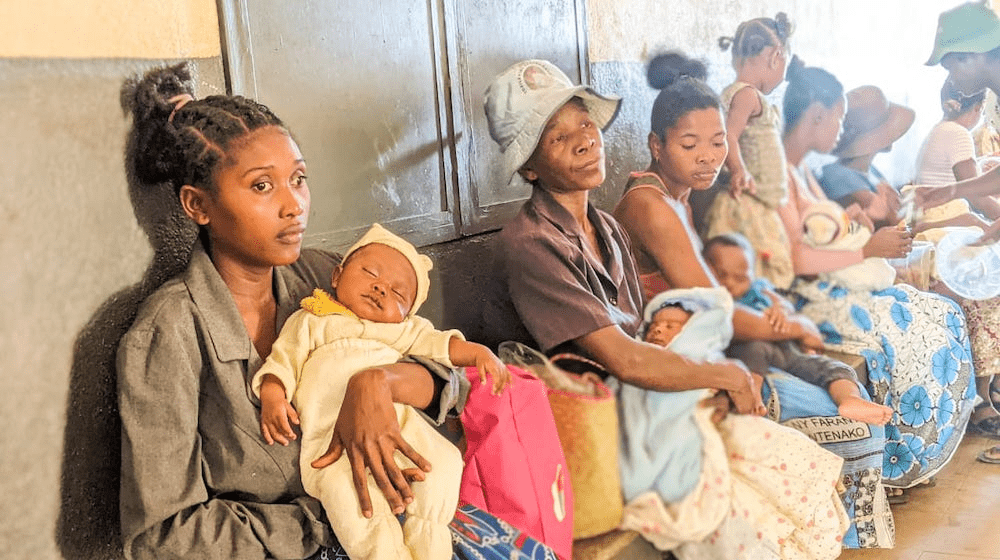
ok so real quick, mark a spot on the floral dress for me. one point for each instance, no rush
(809, 409)
(745, 487)
(919, 362)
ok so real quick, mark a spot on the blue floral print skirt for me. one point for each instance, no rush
(919, 363)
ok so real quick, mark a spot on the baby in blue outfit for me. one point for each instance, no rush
(729, 256)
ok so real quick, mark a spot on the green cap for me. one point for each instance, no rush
(969, 28)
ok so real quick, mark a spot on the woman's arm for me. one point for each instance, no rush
(987, 184)
(655, 227)
(967, 219)
(653, 367)
(986, 205)
(368, 432)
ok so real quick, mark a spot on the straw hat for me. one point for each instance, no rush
(523, 98)
(872, 123)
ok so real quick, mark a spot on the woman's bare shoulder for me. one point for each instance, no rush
(648, 205)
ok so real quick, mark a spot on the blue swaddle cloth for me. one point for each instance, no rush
(661, 446)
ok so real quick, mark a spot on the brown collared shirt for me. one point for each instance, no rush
(559, 287)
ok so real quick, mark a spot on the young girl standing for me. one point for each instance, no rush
(756, 163)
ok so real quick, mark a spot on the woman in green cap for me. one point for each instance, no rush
(968, 46)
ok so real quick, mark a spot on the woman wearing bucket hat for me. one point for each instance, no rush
(872, 124)
(967, 44)
(572, 282)
(566, 264)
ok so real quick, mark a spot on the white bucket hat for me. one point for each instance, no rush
(522, 98)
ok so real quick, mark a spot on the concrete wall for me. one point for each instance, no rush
(73, 259)
(74, 263)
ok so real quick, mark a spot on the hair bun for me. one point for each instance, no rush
(665, 69)
(782, 26)
(795, 68)
(152, 144)
(141, 95)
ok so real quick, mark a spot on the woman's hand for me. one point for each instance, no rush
(276, 414)
(368, 432)
(889, 242)
(746, 398)
(991, 235)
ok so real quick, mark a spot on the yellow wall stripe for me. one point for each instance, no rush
(109, 29)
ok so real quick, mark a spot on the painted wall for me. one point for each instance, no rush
(74, 261)
(83, 29)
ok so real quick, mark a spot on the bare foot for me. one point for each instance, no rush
(861, 410)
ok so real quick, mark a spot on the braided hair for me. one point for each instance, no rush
(755, 35)
(184, 143)
(807, 86)
(682, 86)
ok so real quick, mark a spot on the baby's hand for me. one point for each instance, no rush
(276, 413)
(776, 318)
(740, 181)
(812, 343)
(489, 364)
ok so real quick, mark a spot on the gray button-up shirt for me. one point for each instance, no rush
(198, 480)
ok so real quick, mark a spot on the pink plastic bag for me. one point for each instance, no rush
(514, 464)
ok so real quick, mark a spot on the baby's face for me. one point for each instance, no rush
(666, 323)
(731, 269)
(377, 283)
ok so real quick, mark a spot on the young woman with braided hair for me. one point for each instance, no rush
(198, 480)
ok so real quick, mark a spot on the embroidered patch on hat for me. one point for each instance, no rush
(534, 76)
